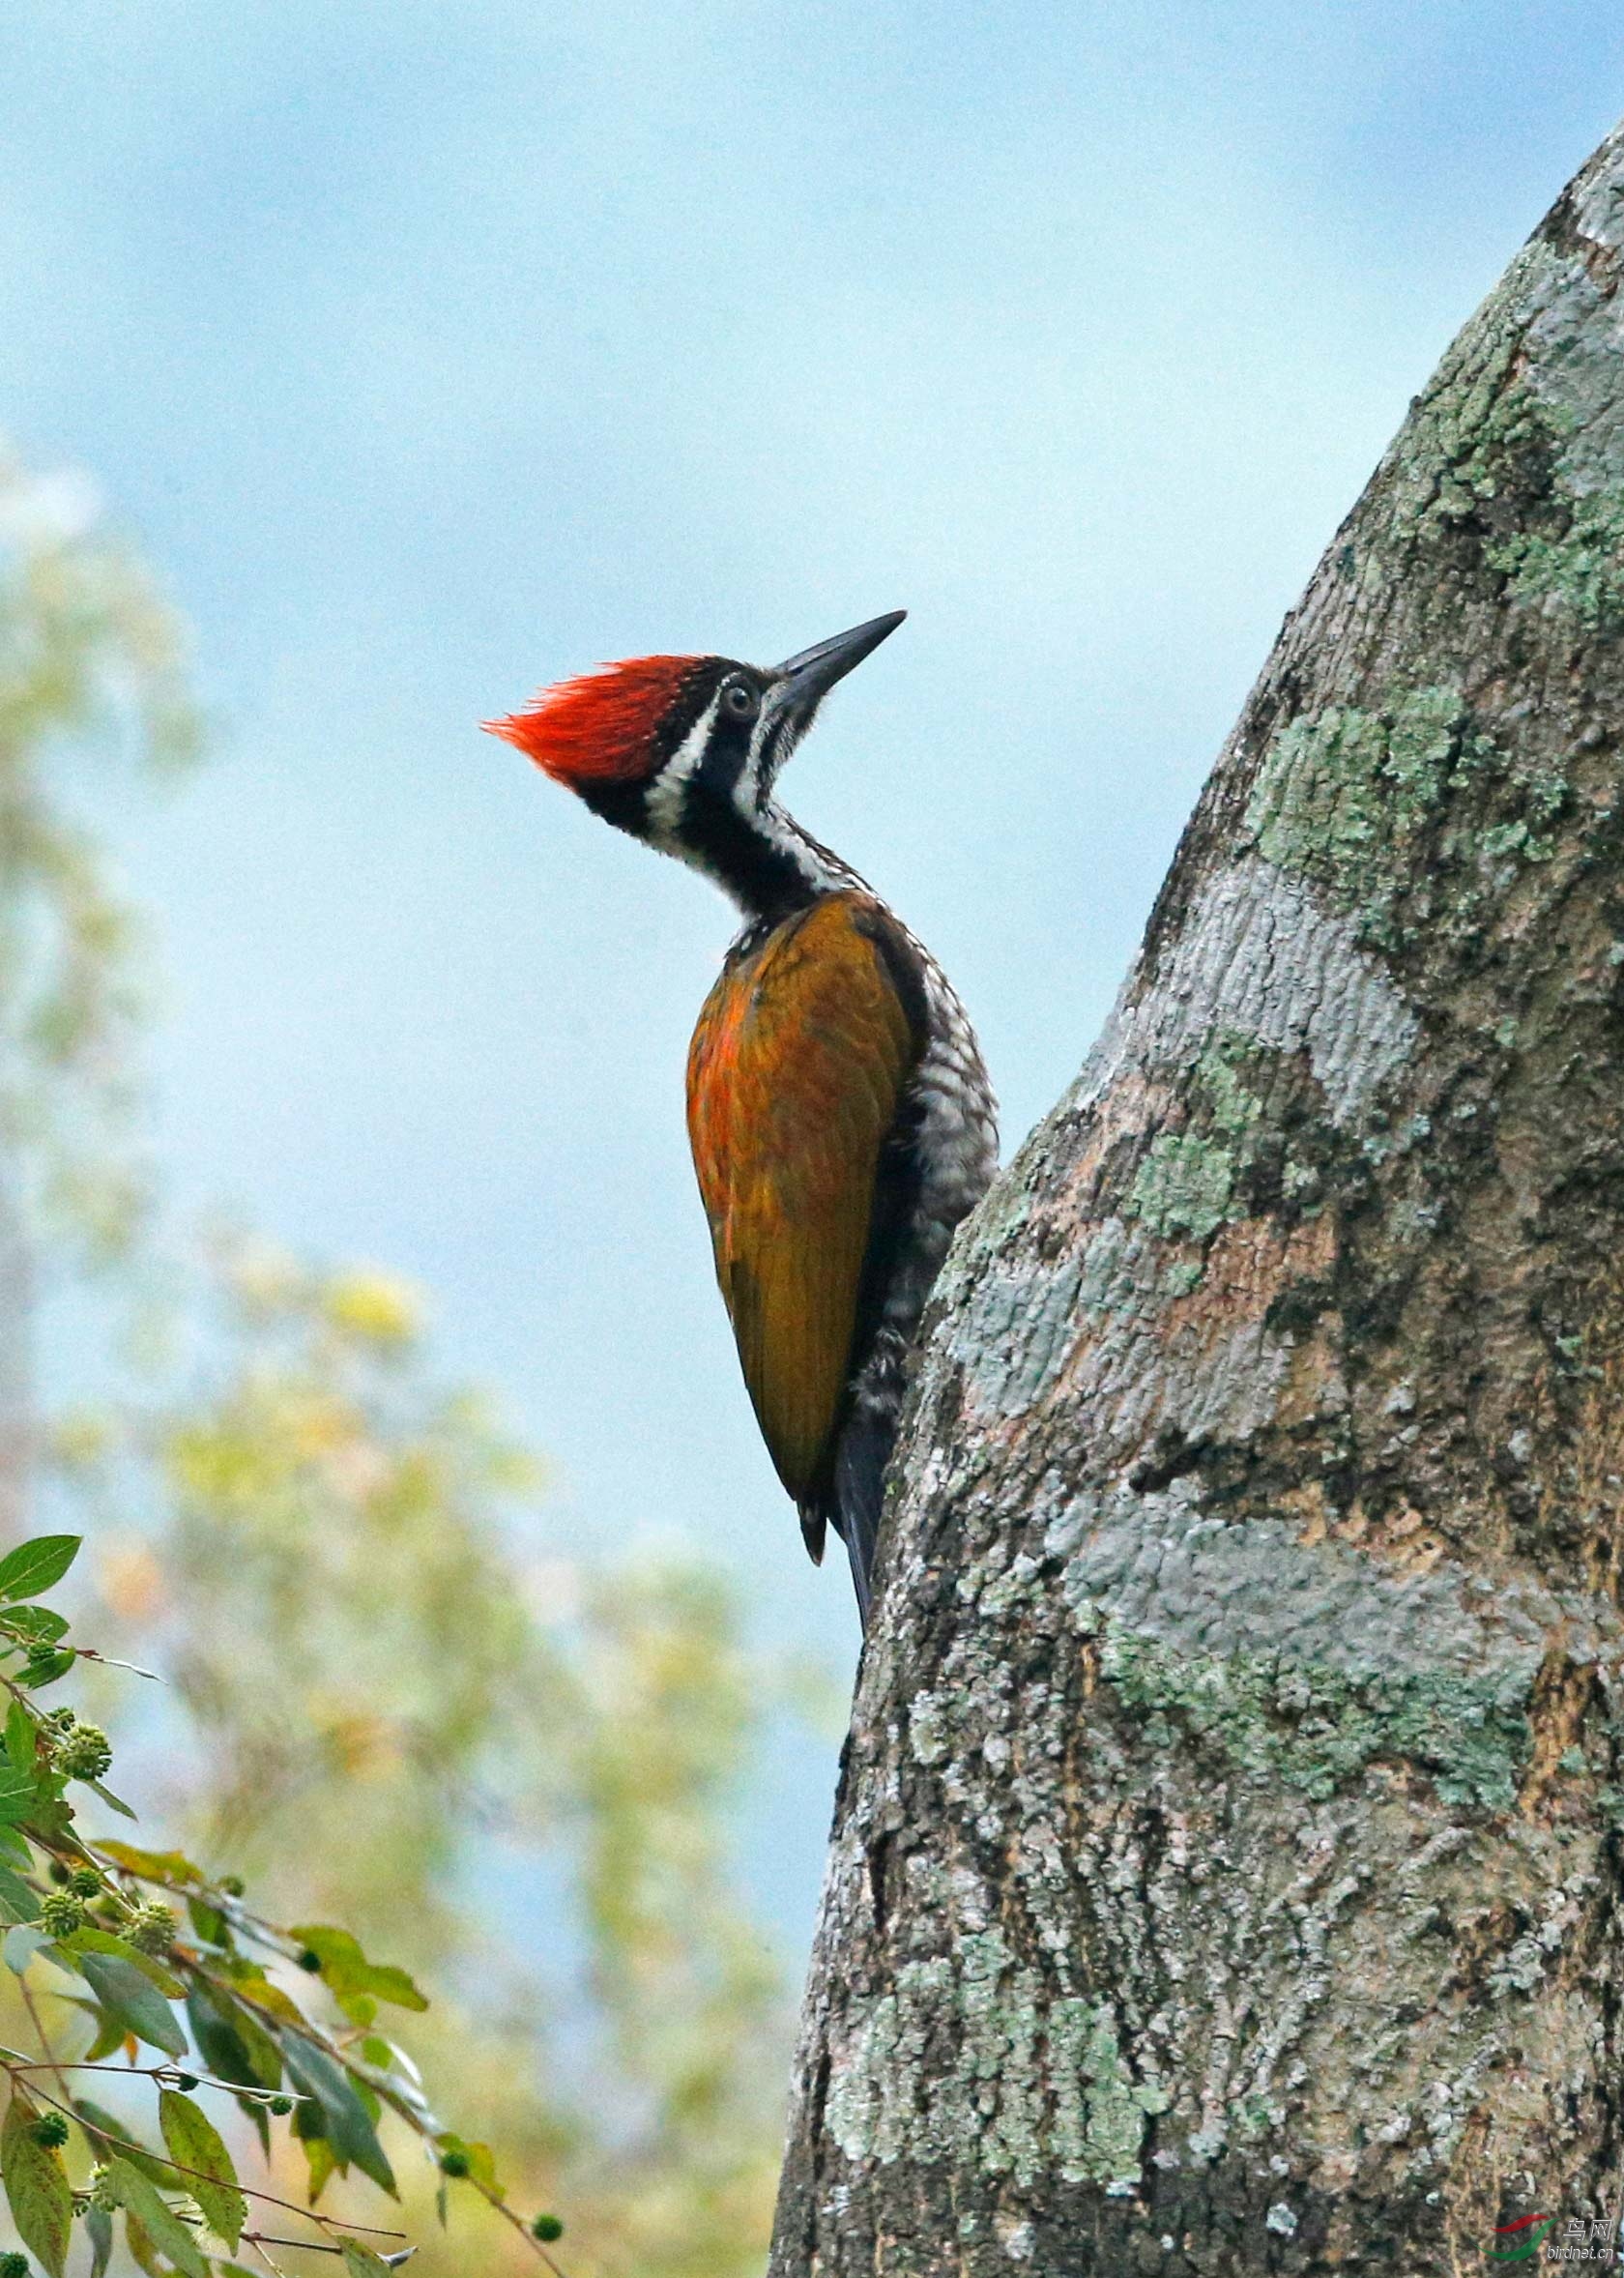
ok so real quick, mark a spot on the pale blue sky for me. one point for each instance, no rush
(433, 352)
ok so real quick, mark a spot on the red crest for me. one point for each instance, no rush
(600, 726)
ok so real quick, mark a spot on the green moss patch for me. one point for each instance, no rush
(1413, 799)
(1316, 1728)
(1582, 572)
(1183, 1187)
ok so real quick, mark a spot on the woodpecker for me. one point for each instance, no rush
(839, 1113)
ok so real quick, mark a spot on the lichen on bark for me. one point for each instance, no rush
(1226, 1869)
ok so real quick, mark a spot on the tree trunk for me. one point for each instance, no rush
(1225, 1873)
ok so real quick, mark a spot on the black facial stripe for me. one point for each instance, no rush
(766, 878)
(763, 877)
(623, 804)
(726, 752)
(780, 742)
(695, 694)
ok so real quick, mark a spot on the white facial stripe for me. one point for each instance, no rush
(756, 776)
(667, 790)
(667, 796)
(746, 792)
(816, 865)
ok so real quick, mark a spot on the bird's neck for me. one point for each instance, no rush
(764, 862)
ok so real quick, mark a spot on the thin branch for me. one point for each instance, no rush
(259, 2239)
(165, 2075)
(268, 1934)
(32, 2006)
(398, 2104)
(123, 2145)
(107, 1662)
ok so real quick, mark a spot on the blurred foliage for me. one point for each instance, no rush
(510, 1772)
(466, 1754)
(92, 663)
(103, 1958)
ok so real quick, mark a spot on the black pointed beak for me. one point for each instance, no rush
(799, 686)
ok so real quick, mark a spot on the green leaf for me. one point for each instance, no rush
(112, 1801)
(153, 1866)
(481, 2165)
(21, 1747)
(348, 2129)
(227, 2053)
(35, 1625)
(250, 1984)
(359, 2262)
(262, 2049)
(322, 2163)
(18, 1793)
(18, 1903)
(99, 2230)
(52, 1820)
(39, 1674)
(258, 2118)
(127, 1996)
(348, 1971)
(36, 2188)
(89, 1941)
(211, 1926)
(110, 2035)
(108, 2133)
(142, 2251)
(167, 2233)
(36, 1566)
(20, 1947)
(194, 2144)
(221, 2045)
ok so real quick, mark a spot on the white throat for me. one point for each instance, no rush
(766, 824)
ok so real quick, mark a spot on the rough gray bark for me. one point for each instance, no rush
(1225, 1874)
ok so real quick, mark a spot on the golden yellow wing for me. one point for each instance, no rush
(796, 1075)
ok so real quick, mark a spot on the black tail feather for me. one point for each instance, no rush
(860, 1581)
(859, 1494)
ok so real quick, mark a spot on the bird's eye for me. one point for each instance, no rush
(742, 702)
